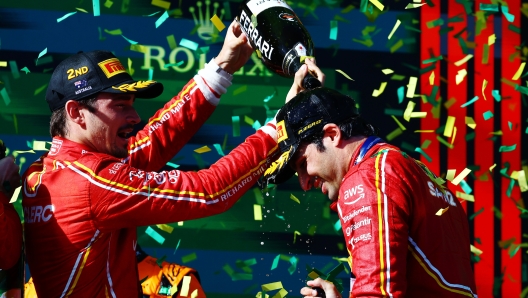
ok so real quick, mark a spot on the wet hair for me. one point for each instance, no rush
(354, 126)
(58, 117)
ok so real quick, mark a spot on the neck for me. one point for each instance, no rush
(352, 146)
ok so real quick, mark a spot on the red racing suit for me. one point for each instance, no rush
(82, 208)
(10, 234)
(399, 247)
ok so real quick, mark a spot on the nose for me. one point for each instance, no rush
(133, 117)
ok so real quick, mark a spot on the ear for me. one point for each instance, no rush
(333, 132)
(75, 112)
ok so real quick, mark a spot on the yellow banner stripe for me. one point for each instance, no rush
(79, 271)
(182, 94)
(380, 223)
(138, 143)
(434, 276)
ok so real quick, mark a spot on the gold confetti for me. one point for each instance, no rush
(492, 167)
(460, 76)
(185, 286)
(3, 63)
(475, 250)
(461, 176)
(15, 195)
(464, 60)
(165, 227)
(418, 114)
(387, 71)
(218, 23)
(344, 74)
(408, 111)
(491, 39)
(442, 211)
(450, 174)
(202, 149)
(450, 123)
(424, 130)
(294, 198)
(484, 84)
(411, 87)
(431, 78)
(398, 22)
(465, 196)
(378, 92)
(470, 122)
(517, 74)
(257, 212)
(377, 4)
(522, 181)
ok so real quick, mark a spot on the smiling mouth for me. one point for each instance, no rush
(124, 134)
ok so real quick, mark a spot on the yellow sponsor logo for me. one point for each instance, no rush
(309, 126)
(281, 131)
(111, 67)
(73, 73)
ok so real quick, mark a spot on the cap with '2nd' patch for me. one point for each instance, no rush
(84, 75)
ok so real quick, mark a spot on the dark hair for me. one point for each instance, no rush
(58, 117)
(354, 126)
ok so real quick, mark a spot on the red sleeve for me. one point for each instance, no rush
(10, 234)
(169, 129)
(374, 214)
(123, 196)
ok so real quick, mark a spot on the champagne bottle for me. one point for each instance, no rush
(278, 37)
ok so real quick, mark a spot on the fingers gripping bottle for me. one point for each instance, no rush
(278, 37)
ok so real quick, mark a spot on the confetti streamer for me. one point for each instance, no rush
(239, 90)
(441, 211)
(295, 199)
(463, 60)
(81, 9)
(129, 40)
(344, 74)
(162, 19)
(96, 8)
(398, 122)
(377, 4)
(411, 87)
(155, 235)
(65, 16)
(398, 23)
(257, 212)
(378, 92)
(42, 53)
(519, 71)
(295, 233)
(218, 23)
(461, 176)
(333, 30)
(470, 102)
(419, 150)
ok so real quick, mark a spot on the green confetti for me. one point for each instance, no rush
(5, 96)
(434, 59)
(14, 69)
(401, 91)
(312, 229)
(337, 225)
(129, 40)
(485, 54)
(236, 125)
(496, 95)
(465, 187)
(476, 213)
(170, 164)
(189, 44)
(521, 89)
(275, 262)
(239, 90)
(395, 112)
(40, 89)
(188, 258)
(507, 148)
(514, 28)
(487, 115)
(65, 16)
(435, 23)
(42, 53)
(219, 149)
(25, 69)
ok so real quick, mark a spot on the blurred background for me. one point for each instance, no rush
(444, 80)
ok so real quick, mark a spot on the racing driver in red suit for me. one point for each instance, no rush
(406, 233)
(84, 198)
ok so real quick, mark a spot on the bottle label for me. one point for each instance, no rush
(257, 40)
(257, 6)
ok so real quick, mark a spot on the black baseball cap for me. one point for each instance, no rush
(86, 74)
(303, 117)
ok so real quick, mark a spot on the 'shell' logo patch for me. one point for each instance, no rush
(112, 67)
